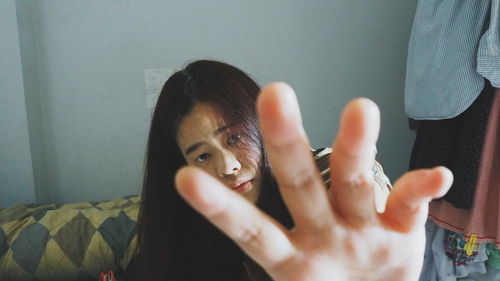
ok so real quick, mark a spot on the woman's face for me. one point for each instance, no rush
(218, 149)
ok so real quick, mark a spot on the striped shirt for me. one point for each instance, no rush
(382, 185)
(454, 46)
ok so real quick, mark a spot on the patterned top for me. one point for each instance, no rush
(454, 45)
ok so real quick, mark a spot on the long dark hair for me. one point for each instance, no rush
(174, 241)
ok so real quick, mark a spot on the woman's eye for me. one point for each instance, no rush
(233, 139)
(202, 158)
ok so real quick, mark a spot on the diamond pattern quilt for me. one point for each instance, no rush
(67, 242)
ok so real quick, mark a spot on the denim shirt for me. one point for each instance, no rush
(454, 46)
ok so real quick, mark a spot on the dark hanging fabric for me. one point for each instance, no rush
(455, 143)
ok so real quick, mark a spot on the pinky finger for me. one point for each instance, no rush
(407, 204)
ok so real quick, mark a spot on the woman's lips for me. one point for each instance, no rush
(243, 187)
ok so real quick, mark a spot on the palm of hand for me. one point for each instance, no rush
(344, 254)
(338, 235)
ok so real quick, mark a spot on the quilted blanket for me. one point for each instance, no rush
(67, 242)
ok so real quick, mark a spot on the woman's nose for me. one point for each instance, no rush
(228, 164)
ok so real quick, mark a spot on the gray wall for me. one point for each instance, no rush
(16, 170)
(82, 64)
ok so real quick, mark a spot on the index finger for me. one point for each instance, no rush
(260, 236)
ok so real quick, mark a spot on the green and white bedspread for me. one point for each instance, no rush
(67, 242)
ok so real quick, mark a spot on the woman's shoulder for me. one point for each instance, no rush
(322, 159)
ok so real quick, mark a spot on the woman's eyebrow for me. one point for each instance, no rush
(194, 147)
(198, 144)
(222, 129)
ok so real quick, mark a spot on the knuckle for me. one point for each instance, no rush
(250, 235)
(361, 181)
(353, 248)
(384, 254)
(302, 179)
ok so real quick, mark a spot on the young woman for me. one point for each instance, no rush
(205, 117)
(175, 242)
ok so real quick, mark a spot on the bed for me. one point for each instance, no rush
(67, 242)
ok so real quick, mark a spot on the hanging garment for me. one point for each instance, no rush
(454, 45)
(483, 219)
(457, 144)
(440, 267)
(492, 267)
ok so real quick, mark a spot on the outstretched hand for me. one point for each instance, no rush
(338, 234)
